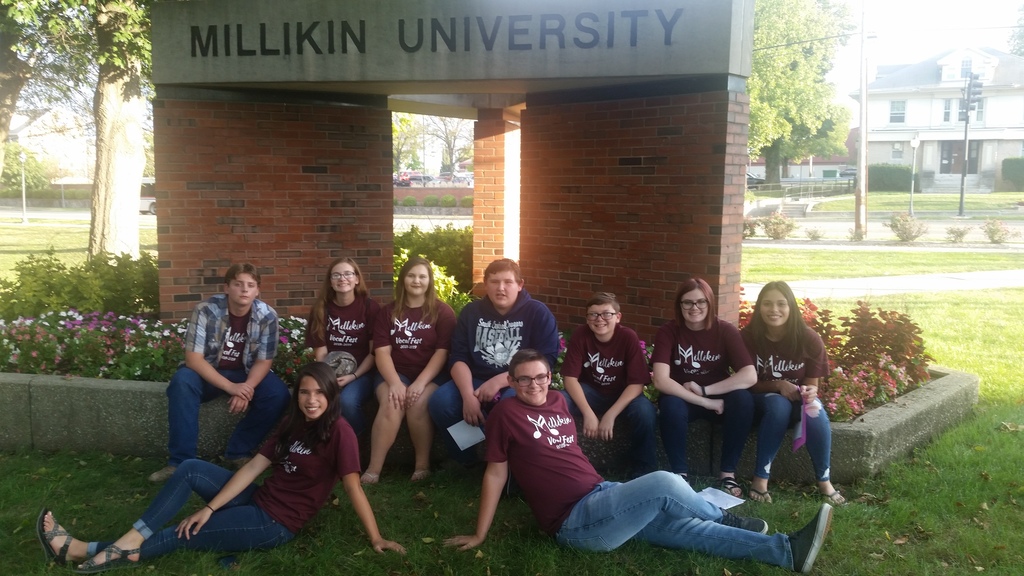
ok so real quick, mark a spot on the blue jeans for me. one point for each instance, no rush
(188, 390)
(736, 420)
(352, 397)
(237, 526)
(777, 414)
(662, 509)
(445, 409)
(639, 414)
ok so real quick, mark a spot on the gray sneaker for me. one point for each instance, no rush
(162, 474)
(806, 542)
(743, 522)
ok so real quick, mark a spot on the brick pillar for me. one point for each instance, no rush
(632, 196)
(287, 186)
(493, 189)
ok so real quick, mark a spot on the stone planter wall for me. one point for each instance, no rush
(127, 417)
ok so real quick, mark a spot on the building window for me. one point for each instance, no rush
(965, 68)
(897, 150)
(947, 109)
(897, 111)
(979, 110)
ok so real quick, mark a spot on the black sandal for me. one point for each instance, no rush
(730, 486)
(46, 537)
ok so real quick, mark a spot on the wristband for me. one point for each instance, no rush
(703, 392)
(211, 509)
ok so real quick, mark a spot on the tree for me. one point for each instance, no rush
(1017, 36)
(121, 29)
(792, 114)
(406, 133)
(456, 138)
(37, 174)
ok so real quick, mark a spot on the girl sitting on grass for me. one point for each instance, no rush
(313, 449)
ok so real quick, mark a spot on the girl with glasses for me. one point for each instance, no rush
(790, 361)
(342, 320)
(411, 340)
(703, 371)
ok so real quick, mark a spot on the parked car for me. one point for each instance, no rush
(147, 205)
(849, 172)
(753, 181)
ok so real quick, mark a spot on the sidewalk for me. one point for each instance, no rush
(879, 285)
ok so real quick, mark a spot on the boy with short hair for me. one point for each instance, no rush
(229, 349)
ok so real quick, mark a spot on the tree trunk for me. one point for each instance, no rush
(13, 75)
(120, 110)
(772, 162)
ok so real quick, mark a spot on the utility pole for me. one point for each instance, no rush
(972, 93)
(860, 198)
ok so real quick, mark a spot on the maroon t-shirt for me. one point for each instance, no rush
(349, 328)
(606, 366)
(774, 363)
(413, 342)
(539, 444)
(300, 483)
(700, 356)
(233, 346)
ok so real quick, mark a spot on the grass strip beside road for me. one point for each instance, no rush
(764, 264)
(900, 202)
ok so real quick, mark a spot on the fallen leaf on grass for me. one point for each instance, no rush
(901, 540)
(427, 540)
(420, 496)
(985, 476)
(479, 554)
(359, 553)
(1010, 427)
(980, 448)
(984, 505)
(877, 555)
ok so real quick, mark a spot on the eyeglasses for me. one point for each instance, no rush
(340, 275)
(688, 304)
(541, 380)
(605, 315)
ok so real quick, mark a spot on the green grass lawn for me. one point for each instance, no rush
(68, 239)
(955, 507)
(899, 201)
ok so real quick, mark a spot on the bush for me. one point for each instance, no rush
(430, 201)
(854, 235)
(466, 202)
(778, 226)
(1013, 172)
(449, 247)
(906, 227)
(410, 201)
(395, 200)
(814, 234)
(117, 284)
(997, 231)
(750, 226)
(893, 177)
(449, 201)
(956, 234)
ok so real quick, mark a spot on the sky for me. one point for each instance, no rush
(909, 31)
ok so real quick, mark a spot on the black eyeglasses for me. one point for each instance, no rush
(689, 304)
(340, 275)
(595, 315)
(541, 380)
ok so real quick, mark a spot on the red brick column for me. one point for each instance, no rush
(488, 189)
(632, 196)
(286, 186)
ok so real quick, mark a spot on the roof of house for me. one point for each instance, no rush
(928, 72)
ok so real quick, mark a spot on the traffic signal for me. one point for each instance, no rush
(973, 94)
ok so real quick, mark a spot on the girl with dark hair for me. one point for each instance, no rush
(311, 451)
(411, 340)
(693, 357)
(342, 320)
(790, 361)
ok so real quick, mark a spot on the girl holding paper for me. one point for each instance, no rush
(790, 360)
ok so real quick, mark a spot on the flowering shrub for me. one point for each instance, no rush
(849, 393)
(997, 231)
(777, 225)
(906, 227)
(956, 234)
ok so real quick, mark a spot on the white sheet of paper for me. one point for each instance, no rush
(466, 435)
(719, 498)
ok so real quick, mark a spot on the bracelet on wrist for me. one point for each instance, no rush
(703, 392)
(211, 509)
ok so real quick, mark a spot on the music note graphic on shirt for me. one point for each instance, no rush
(594, 359)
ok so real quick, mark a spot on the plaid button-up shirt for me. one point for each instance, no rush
(210, 322)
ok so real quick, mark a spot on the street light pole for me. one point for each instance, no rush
(860, 193)
(24, 204)
(914, 143)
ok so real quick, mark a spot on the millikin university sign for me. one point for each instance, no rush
(247, 41)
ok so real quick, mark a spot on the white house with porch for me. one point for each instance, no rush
(920, 104)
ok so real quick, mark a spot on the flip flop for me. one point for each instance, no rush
(759, 496)
(369, 478)
(419, 475)
(91, 567)
(835, 498)
(46, 538)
